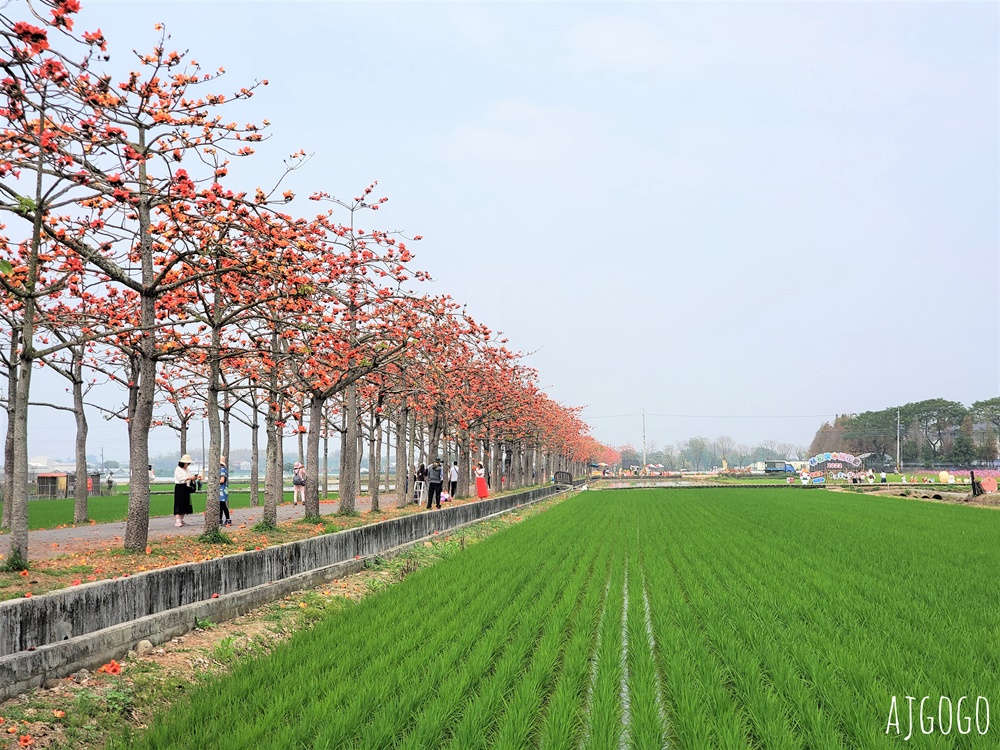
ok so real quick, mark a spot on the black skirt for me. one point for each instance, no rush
(182, 499)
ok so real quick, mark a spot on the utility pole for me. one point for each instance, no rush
(643, 468)
(899, 457)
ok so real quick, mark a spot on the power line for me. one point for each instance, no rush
(719, 416)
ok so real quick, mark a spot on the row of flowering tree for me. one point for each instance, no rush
(130, 260)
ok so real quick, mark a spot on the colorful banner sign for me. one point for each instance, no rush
(841, 458)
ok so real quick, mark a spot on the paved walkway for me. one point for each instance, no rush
(101, 535)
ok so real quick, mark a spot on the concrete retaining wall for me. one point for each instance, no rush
(54, 634)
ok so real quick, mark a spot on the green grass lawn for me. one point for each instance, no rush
(47, 514)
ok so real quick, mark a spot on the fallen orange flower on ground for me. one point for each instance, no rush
(112, 667)
(58, 713)
(25, 741)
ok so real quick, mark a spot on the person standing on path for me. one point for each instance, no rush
(224, 493)
(183, 481)
(453, 480)
(481, 490)
(435, 478)
(421, 477)
(298, 484)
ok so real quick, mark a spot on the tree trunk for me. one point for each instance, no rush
(326, 461)
(361, 455)
(375, 462)
(80, 489)
(210, 472)
(464, 461)
(411, 449)
(226, 408)
(496, 467)
(402, 461)
(434, 430)
(19, 496)
(373, 477)
(137, 526)
(273, 484)
(254, 459)
(18, 499)
(349, 473)
(8, 447)
(385, 438)
(341, 470)
(300, 437)
(317, 403)
(273, 479)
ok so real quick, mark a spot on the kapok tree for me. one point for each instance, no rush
(37, 98)
(236, 258)
(361, 320)
(132, 148)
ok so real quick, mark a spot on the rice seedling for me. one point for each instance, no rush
(731, 618)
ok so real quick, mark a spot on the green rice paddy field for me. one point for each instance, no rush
(715, 618)
(50, 513)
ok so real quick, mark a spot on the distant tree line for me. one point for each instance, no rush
(699, 453)
(930, 432)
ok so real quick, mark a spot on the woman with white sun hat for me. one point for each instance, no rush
(183, 481)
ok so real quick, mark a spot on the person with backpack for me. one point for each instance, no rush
(298, 484)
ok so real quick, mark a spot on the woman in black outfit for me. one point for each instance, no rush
(183, 481)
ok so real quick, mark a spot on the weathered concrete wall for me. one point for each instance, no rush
(55, 634)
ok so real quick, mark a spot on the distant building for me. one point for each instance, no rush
(46, 464)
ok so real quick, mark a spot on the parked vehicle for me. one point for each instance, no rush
(778, 467)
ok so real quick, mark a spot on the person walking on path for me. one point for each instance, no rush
(298, 484)
(183, 483)
(224, 493)
(453, 480)
(481, 490)
(435, 478)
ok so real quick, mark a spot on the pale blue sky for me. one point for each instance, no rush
(708, 209)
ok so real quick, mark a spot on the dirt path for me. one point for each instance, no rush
(47, 543)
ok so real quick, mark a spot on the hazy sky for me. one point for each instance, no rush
(713, 209)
